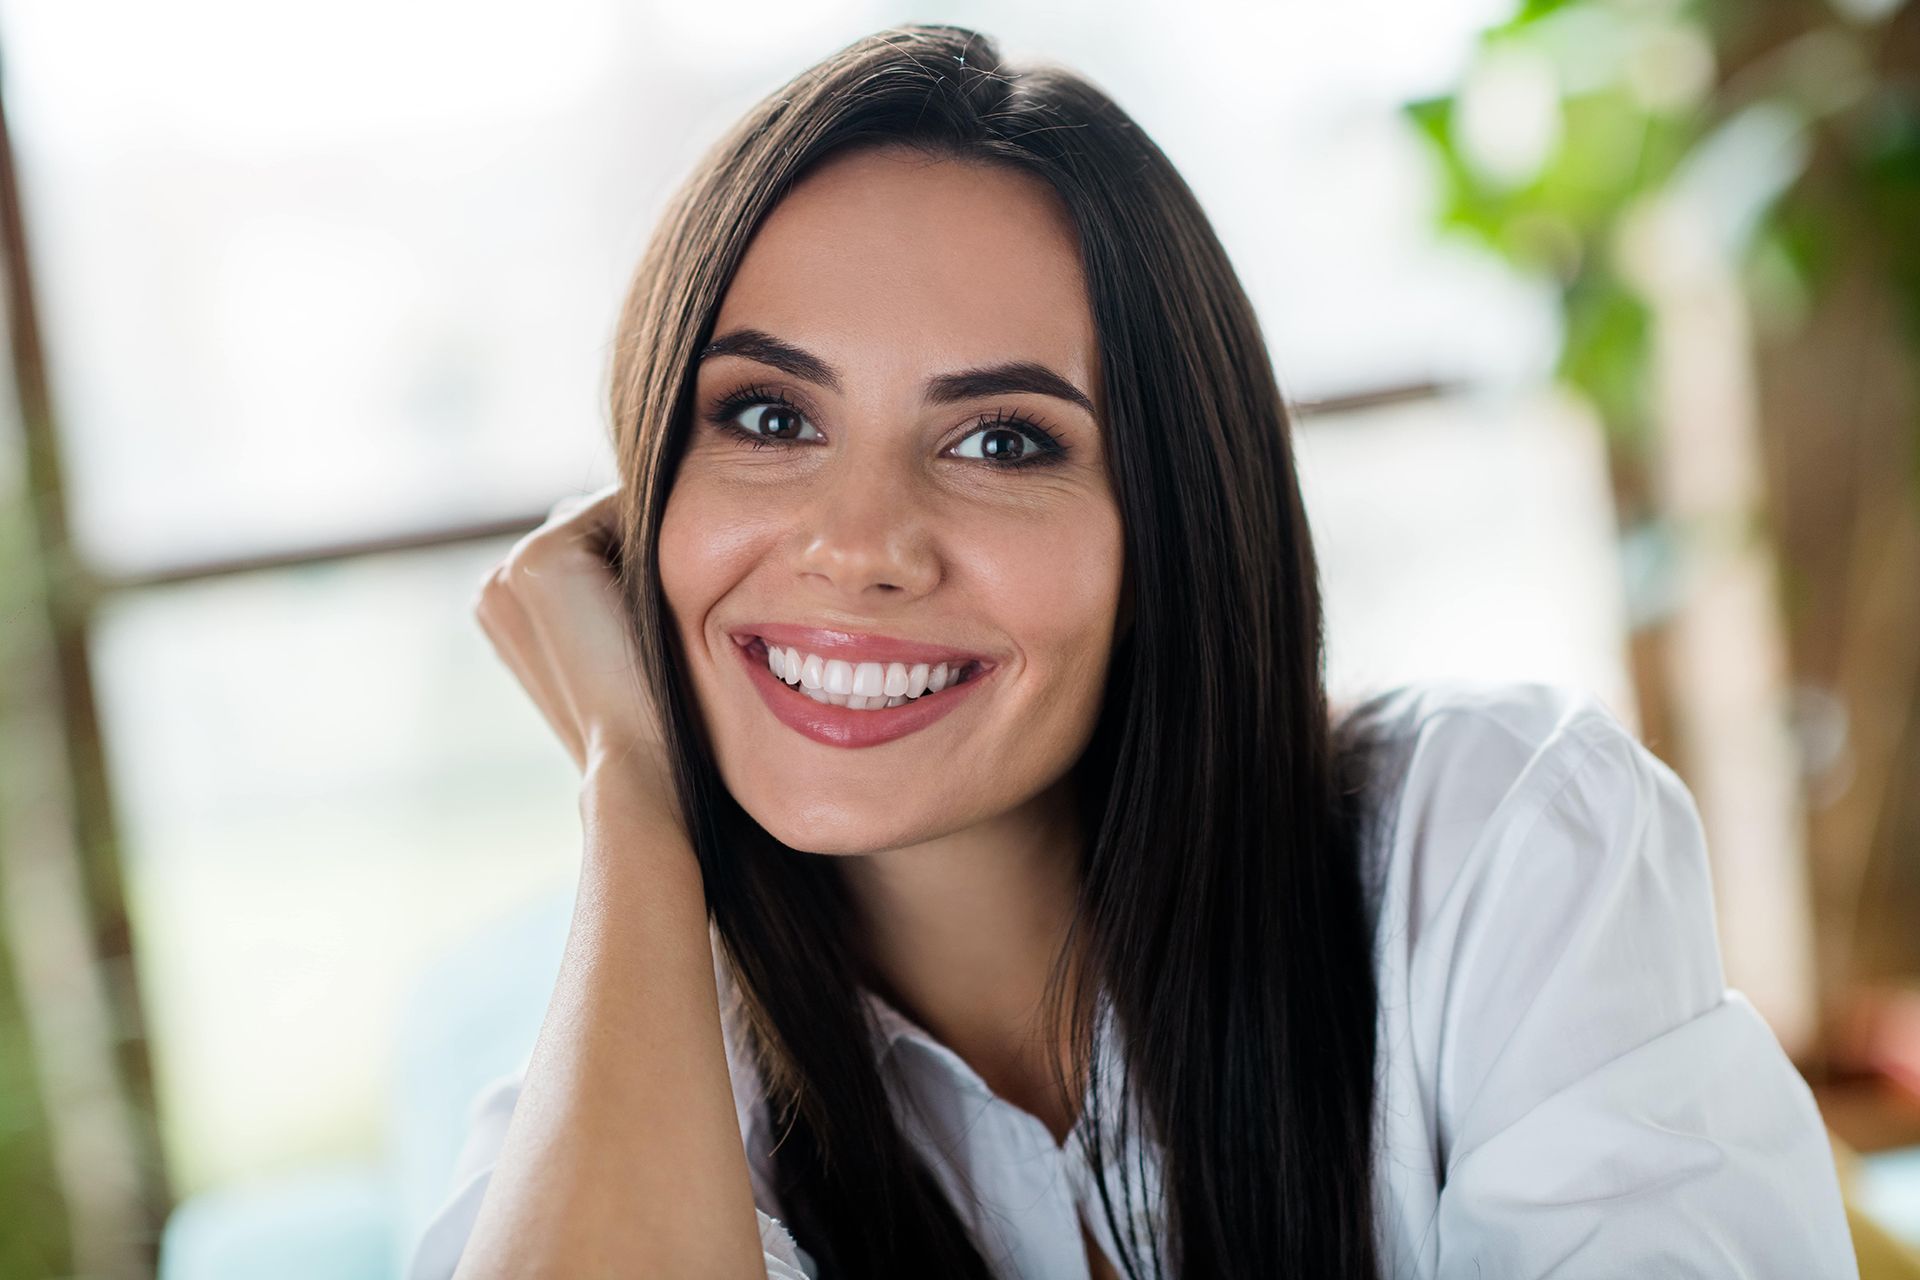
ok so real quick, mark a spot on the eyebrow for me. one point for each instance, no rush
(968, 384)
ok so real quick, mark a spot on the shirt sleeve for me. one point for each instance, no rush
(438, 1250)
(1607, 1105)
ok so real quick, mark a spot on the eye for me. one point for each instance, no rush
(1012, 441)
(768, 422)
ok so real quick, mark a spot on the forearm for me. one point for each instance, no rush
(623, 1157)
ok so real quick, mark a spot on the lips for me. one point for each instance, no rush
(861, 686)
(845, 726)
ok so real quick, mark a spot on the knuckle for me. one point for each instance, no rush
(523, 557)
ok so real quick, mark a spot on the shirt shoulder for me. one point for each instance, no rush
(1567, 1078)
(1538, 889)
(1457, 750)
(1517, 830)
(1451, 764)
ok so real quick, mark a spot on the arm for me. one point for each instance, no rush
(623, 1156)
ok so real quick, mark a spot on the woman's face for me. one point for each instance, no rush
(885, 507)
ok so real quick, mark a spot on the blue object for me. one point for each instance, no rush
(1887, 1189)
(317, 1224)
(470, 1018)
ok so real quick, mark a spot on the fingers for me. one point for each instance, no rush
(553, 610)
(517, 640)
(576, 522)
(586, 519)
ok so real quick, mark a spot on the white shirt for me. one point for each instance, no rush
(1569, 1088)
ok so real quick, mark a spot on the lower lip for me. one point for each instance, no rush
(843, 726)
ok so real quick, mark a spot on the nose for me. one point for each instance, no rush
(865, 540)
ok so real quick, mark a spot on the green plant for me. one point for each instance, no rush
(1801, 119)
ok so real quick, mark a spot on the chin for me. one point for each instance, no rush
(835, 830)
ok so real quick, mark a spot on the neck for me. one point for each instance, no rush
(962, 932)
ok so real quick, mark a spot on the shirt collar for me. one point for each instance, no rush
(890, 1027)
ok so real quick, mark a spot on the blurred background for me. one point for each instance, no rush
(1601, 320)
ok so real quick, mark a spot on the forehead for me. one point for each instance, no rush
(885, 261)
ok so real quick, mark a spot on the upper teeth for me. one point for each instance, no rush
(859, 685)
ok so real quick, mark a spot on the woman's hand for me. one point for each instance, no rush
(623, 1143)
(553, 611)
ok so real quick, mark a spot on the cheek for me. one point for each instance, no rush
(684, 572)
(1055, 589)
(707, 543)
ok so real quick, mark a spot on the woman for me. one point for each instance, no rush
(974, 883)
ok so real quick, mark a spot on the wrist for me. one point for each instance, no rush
(609, 757)
(627, 779)
(633, 835)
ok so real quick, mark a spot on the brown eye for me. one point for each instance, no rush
(779, 422)
(1001, 444)
(770, 422)
(1007, 444)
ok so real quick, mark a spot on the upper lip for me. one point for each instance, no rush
(855, 646)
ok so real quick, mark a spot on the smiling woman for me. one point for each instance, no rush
(905, 342)
(984, 833)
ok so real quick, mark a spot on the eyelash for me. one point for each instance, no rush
(723, 415)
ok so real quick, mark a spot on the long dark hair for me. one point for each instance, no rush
(1221, 904)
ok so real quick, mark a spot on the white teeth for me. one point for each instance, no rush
(869, 686)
